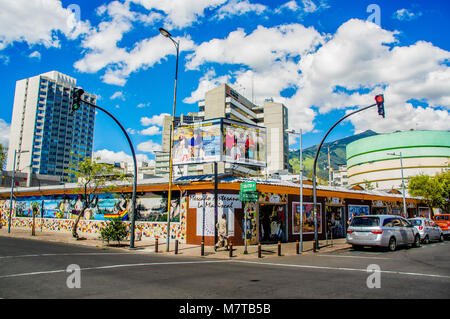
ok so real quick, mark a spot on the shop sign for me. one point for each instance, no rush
(377, 203)
(248, 187)
(272, 198)
(335, 201)
(248, 196)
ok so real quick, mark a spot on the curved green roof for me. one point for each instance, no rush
(410, 143)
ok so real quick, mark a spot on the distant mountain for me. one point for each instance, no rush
(337, 155)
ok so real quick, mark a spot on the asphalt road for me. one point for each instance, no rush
(37, 269)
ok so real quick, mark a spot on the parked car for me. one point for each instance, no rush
(387, 231)
(443, 221)
(428, 229)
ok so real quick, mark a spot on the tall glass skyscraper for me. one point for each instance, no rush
(44, 132)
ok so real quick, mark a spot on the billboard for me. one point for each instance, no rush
(219, 140)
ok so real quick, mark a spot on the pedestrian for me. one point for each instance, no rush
(222, 231)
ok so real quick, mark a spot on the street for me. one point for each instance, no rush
(37, 269)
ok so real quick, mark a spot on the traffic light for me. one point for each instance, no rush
(76, 99)
(380, 104)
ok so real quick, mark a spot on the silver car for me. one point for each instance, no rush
(428, 229)
(387, 231)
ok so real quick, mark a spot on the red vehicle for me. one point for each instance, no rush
(443, 220)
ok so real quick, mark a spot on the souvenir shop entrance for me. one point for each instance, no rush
(272, 221)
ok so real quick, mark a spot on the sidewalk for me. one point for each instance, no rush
(148, 246)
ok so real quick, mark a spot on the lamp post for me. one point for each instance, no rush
(167, 34)
(12, 187)
(403, 180)
(301, 186)
(380, 103)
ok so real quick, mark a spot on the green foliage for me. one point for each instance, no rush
(93, 178)
(435, 189)
(115, 230)
(2, 156)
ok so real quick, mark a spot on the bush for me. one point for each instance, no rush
(116, 230)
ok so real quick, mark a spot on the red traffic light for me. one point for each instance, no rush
(379, 98)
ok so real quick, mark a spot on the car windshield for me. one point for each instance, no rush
(368, 221)
(415, 222)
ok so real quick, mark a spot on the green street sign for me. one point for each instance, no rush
(248, 196)
(248, 187)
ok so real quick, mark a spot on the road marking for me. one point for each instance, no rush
(116, 266)
(344, 256)
(340, 268)
(66, 254)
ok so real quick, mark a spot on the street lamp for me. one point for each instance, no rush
(301, 186)
(167, 34)
(12, 187)
(403, 181)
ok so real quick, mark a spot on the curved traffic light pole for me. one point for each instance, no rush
(316, 241)
(133, 199)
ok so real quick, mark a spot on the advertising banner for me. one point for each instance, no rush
(308, 218)
(219, 140)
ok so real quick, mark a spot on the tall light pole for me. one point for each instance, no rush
(403, 181)
(301, 185)
(12, 187)
(379, 99)
(167, 34)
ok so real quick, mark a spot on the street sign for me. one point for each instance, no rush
(248, 187)
(248, 196)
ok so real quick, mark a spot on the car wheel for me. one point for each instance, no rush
(417, 241)
(441, 238)
(392, 244)
(426, 240)
(356, 247)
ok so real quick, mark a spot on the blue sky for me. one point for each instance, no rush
(321, 58)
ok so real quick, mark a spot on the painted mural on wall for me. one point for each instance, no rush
(58, 213)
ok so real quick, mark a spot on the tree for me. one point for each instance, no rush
(434, 189)
(2, 156)
(114, 230)
(93, 178)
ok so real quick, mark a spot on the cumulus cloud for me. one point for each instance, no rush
(157, 120)
(118, 95)
(149, 146)
(111, 157)
(35, 54)
(206, 83)
(239, 7)
(406, 15)
(150, 131)
(5, 129)
(37, 22)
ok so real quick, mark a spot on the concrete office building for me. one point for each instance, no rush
(423, 152)
(225, 102)
(43, 125)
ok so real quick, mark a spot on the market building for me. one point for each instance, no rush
(273, 217)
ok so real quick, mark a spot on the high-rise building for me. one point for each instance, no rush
(45, 133)
(225, 102)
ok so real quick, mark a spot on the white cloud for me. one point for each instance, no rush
(150, 131)
(5, 129)
(239, 7)
(149, 147)
(37, 22)
(131, 131)
(206, 83)
(141, 105)
(35, 54)
(180, 13)
(118, 95)
(157, 120)
(111, 157)
(290, 5)
(406, 15)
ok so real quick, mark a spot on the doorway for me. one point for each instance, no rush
(336, 221)
(272, 221)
